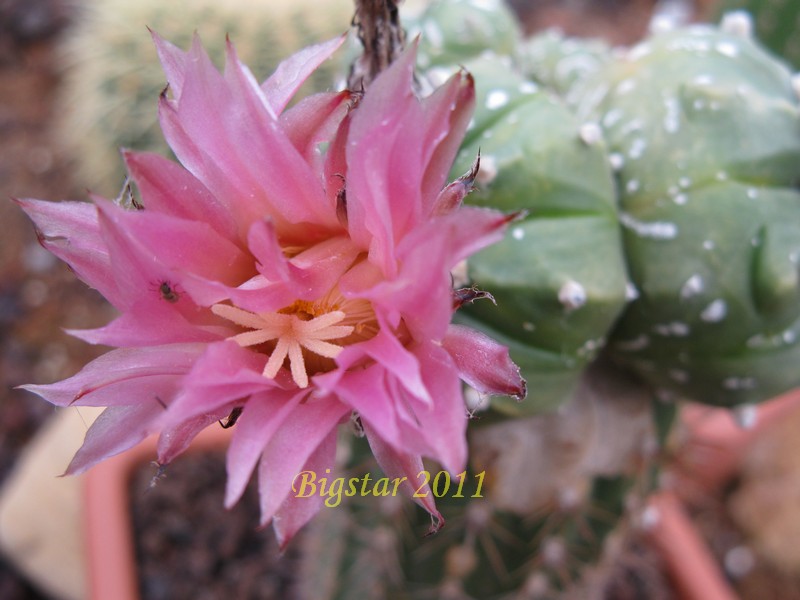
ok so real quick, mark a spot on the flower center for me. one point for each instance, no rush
(304, 332)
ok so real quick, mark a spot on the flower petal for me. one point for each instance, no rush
(125, 376)
(397, 465)
(168, 188)
(261, 417)
(283, 84)
(291, 447)
(483, 363)
(71, 231)
(297, 511)
(118, 428)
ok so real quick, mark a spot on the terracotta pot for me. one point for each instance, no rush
(711, 444)
(108, 526)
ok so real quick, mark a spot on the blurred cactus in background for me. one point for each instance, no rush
(657, 261)
(776, 23)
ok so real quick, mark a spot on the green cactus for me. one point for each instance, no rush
(705, 129)
(556, 308)
(452, 31)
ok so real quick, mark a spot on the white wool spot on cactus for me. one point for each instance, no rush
(487, 135)
(699, 104)
(709, 245)
(738, 23)
(788, 336)
(746, 415)
(632, 186)
(752, 193)
(471, 124)
(672, 191)
(672, 118)
(612, 117)
(703, 80)
(638, 146)
(721, 176)
(590, 133)
(631, 293)
(616, 160)
(715, 312)
(796, 84)
(714, 105)
(518, 233)
(739, 561)
(638, 343)
(755, 241)
(674, 329)
(572, 295)
(528, 87)
(639, 51)
(631, 127)
(659, 230)
(528, 326)
(679, 375)
(496, 99)
(684, 182)
(739, 383)
(693, 286)
(689, 45)
(488, 171)
(728, 49)
(433, 34)
(513, 118)
(625, 86)
(680, 199)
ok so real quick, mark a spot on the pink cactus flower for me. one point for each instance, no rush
(293, 270)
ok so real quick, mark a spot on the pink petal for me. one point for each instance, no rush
(296, 512)
(445, 424)
(381, 194)
(292, 188)
(168, 188)
(483, 363)
(224, 373)
(365, 391)
(125, 376)
(174, 440)
(172, 243)
(173, 61)
(283, 84)
(153, 326)
(261, 417)
(447, 114)
(403, 465)
(291, 447)
(70, 230)
(314, 120)
(117, 429)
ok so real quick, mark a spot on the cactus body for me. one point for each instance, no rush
(706, 128)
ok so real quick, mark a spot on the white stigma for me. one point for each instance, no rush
(291, 333)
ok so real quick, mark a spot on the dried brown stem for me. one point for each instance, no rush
(378, 26)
